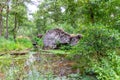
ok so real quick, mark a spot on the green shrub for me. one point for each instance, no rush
(39, 41)
(98, 39)
(97, 51)
(65, 47)
(108, 68)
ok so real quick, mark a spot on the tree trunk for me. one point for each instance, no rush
(7, 14)
(1, 23)
(15, 27)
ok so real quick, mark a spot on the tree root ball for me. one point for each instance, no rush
(57, 36)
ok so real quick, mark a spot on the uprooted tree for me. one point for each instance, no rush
(55, 36)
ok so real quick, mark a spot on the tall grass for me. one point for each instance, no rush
(9, 45)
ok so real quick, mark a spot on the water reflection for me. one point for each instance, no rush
(37, 66)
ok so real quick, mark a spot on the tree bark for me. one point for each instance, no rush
(15, 27)
(15, 23)
(7, 15)
(1, 23)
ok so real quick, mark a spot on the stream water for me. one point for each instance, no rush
(36, 66)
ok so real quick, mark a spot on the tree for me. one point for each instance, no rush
(7, 15)
(1, 17)
(19, 11)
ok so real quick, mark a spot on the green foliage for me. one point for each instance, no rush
(39, 41)
(88, 78)
(26, 43)
(108, 68)
(65, 47)
(97, 52)
(8, 45)
(98, 39)
(67, 27)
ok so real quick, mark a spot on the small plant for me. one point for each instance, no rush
(39, 41)
(66, 47)
(63, 46)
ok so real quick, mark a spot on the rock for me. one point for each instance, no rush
(57, 36)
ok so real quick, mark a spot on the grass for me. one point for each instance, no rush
(9, 45)
(55, 51)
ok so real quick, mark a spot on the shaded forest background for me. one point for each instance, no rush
(72, 15)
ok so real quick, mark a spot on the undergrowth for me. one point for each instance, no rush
(9, 45)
